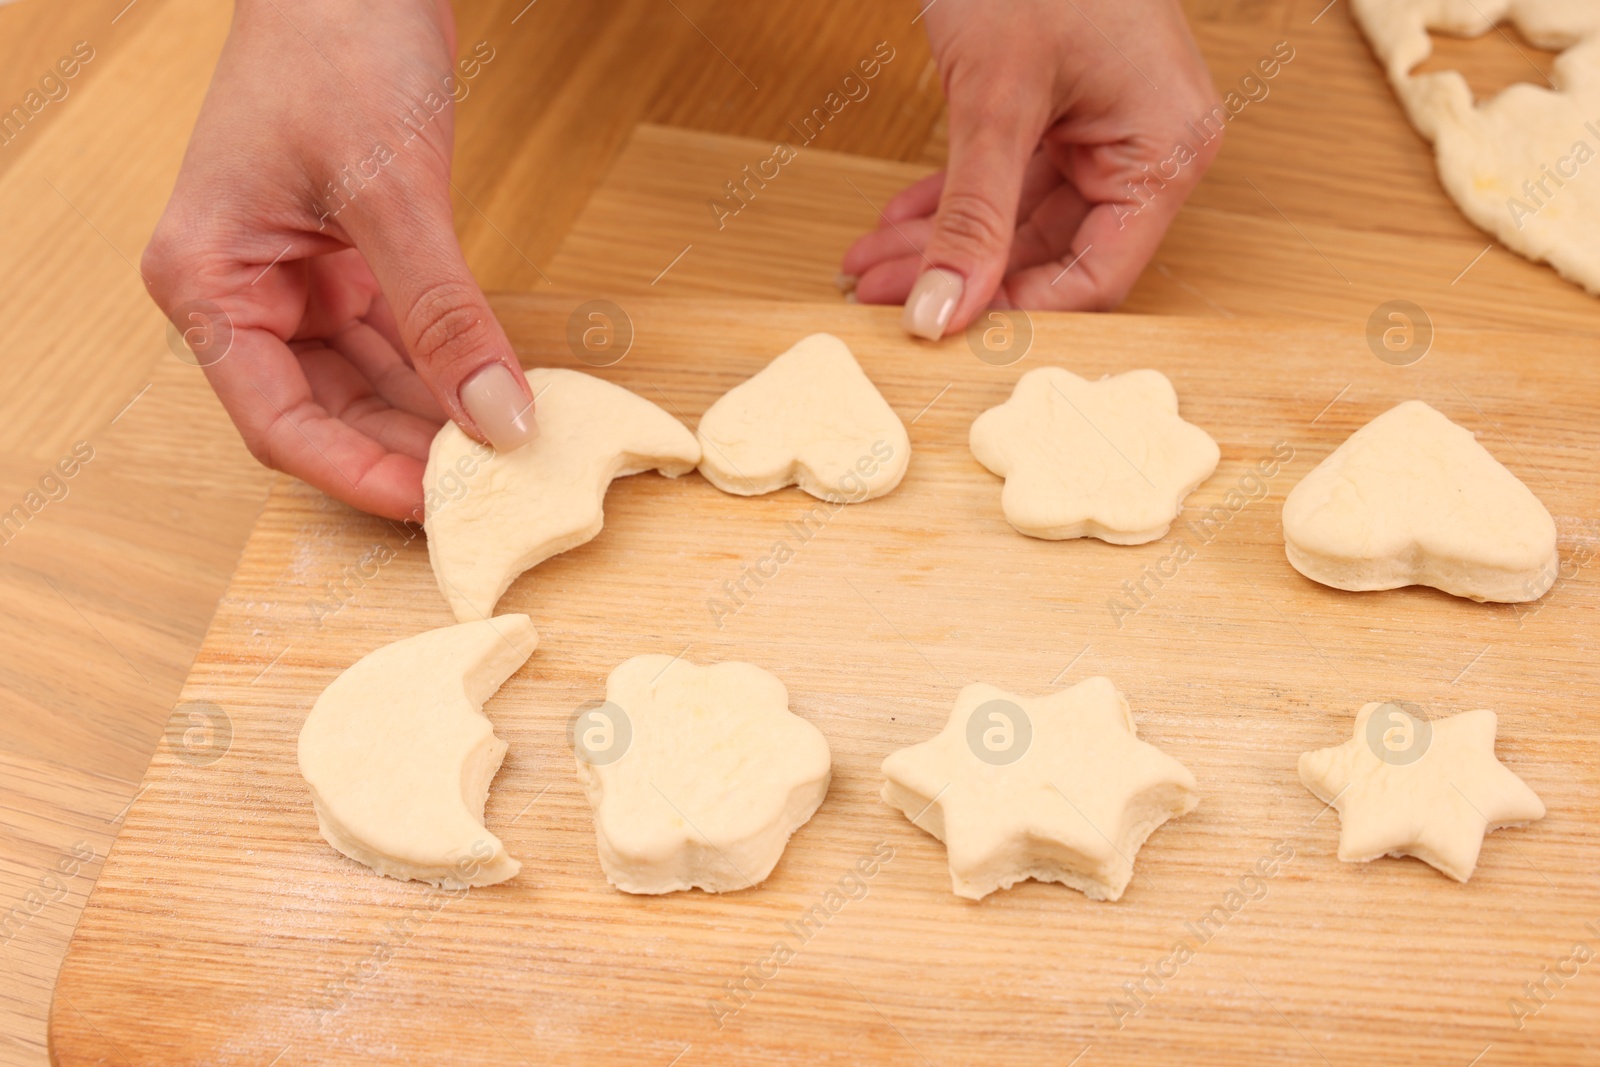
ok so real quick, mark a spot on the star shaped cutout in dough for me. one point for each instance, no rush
(1057, 788)
(1108, 459)
(1407, 786)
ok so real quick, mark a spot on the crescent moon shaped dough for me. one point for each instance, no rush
(1108, 459)
(399, 754)
(810, 418)
(716, 777)
(491, 516)
(1413, 499)
(1074, 807)
(1436, 808)
(1510, 162)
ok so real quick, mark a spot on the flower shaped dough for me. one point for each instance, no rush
(1108, 459)
(1518, 165)
(1056, 788)
(810, 418)
(399, 755)
(697, 775)
(1409, 787)
(1413, 499)
(491, 516)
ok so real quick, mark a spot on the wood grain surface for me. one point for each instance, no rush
(223, 930)
(110, 589)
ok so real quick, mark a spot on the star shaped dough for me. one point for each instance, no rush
(697, 775)
(1108, 459)
(1057, 788)
(1437, 806)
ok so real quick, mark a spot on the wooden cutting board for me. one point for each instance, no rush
(224, 931)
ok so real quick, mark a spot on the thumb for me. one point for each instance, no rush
(991, 141)
(456, 344)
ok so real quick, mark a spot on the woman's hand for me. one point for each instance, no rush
(1077, 129)
(311, 222)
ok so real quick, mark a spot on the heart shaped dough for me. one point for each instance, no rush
(810, 418)
(697, 775)
(399, 754)
(1108, 459)
(1519, 164)
(1413, 499)
(491, 516)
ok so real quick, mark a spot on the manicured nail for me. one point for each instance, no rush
(500, 407)
(845, 282)
(931, 303)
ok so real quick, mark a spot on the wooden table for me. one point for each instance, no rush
(111, 589)
(223, 930)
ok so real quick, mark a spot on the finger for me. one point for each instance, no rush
(339, 290)
(395, 380)
(265, 391)
(455, 341)
(992, 137)
(895, 240)
(381, 318)
(889, 282)
(346, 394)
(915, 201)
(1048, 232)
(1102, 264)
(1041, 178)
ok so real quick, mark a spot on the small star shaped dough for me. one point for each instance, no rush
(491, 516)
(810, 418)
(399, 755)
(714, 774)
(1436, 808)
(1108, 459)
(1074, 807)
(1413, 499)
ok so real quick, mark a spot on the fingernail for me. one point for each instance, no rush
(500, 407)
(931, 303)
(851, 297)
(845, 282)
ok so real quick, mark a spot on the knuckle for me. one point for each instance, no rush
(164, 262)
(970, 222)
(447, 323)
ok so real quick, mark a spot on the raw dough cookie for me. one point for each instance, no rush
(1518, 165)
(1413, 499)
(492, 516)
(1056, 788)
(811, 418)
(697, 775)
(399, 755)
(1433, 793)
(1108, 459)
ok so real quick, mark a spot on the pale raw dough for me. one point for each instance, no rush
(1108, 459)
(1074, 807)
(492, 516)
(810, 418)
(1525, 134)
(1413, 499)
(1436, 808)
(716, 775)
(399, 754)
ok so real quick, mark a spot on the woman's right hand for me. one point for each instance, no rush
(311, 224)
